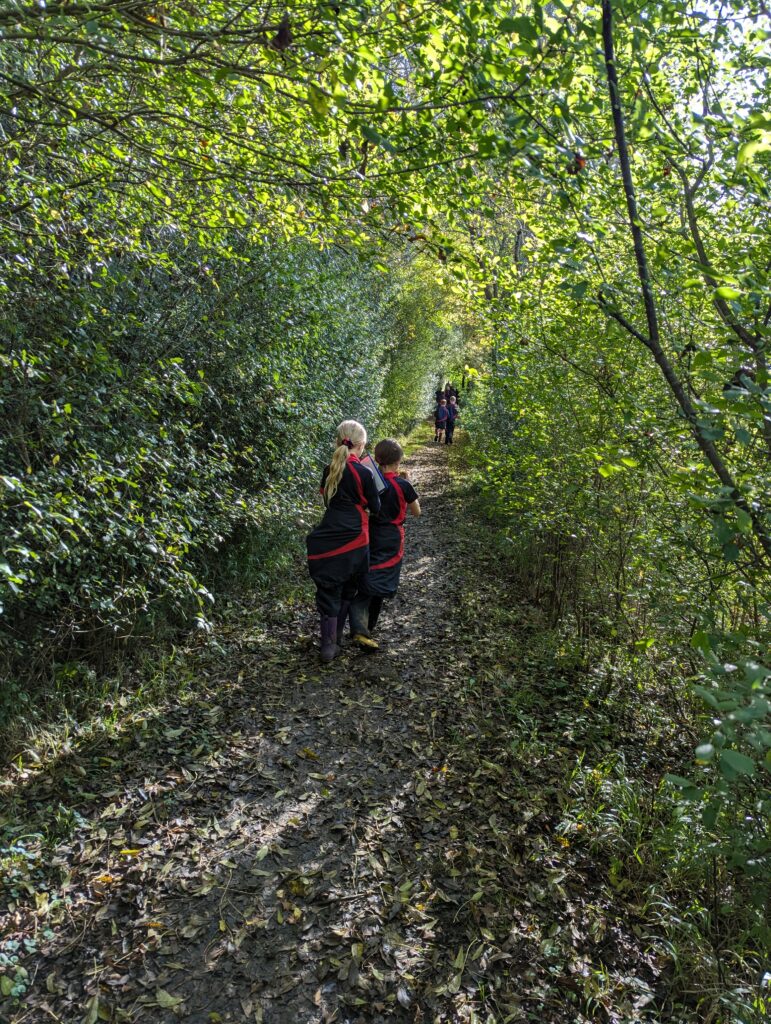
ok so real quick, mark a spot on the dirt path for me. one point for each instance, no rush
(298, 845)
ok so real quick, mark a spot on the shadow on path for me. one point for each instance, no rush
(297, 845)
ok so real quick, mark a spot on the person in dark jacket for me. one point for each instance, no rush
(452, 414)
(440, 420)
(338, 548)
(386, 540)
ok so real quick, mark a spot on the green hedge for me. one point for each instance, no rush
(151, 414)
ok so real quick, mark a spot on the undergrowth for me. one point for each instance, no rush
(619, 723)
(259, 573)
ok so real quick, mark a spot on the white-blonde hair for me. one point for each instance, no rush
(350, 434)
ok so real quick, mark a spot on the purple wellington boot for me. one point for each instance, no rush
(329, 648)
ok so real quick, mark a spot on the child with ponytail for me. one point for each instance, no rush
(338, 548)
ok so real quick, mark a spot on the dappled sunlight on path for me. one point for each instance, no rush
(244, 867)
(295, 844)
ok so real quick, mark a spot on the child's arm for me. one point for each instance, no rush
(370, 491)
(410, 494)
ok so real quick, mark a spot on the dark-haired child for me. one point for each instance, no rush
(386, 540)
(452, 414)
(440, 420)
(338, 548)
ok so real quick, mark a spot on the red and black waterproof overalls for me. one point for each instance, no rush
(338, 548)
(386, 543)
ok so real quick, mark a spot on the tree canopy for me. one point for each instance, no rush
(220, 221)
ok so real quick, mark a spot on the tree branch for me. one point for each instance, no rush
(653, 340)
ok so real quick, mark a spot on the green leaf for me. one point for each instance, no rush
(374, 136)
(92, 1010)
(158, 193)
(738, 763)
(743, 435)
(319, 101)
(166, 999)
(679, 781)
(748, 150)
(743, 521)
(727, 292)
(710, 813)
(521, 26)
(731, 552)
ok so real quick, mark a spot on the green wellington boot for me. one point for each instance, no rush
(360, 624)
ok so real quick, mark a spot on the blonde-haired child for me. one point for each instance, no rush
(338, 548)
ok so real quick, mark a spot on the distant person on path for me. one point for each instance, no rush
(452, 414)
(338, 548)
(440, 420)
(386, 544)
(439, 395)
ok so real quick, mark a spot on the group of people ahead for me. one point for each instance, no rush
(446, 413)
(355, 553)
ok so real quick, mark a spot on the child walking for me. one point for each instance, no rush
(338, 548)
(386, 541)
(440, 420)
(452, 414)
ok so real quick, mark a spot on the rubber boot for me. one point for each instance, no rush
(375, 604)
(360, 624)
(342, 618)
(329, 648)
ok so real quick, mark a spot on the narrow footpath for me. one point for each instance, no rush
(381, 840)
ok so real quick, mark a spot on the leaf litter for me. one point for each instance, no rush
(374, 841)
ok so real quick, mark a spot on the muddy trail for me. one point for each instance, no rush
(382, 839)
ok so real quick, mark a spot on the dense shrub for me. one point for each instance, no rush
(153, 413)
(616, 532)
